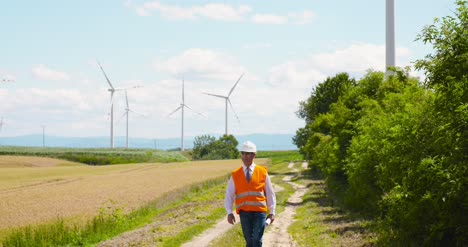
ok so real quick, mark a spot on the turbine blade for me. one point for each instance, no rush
(201, 114)
(126, 98)
(123, 115)
(232, 89)
(107, 78)
(127, 88)
(215, 95)
(183, 90)
(139, 113)
(178, 108)
(232, 108)
(112, 99)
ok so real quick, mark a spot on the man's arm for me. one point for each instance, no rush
(229, 200)
(271, 199)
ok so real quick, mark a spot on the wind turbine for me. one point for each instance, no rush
(127, 110)
(112, 90)
(389, 35)
(181, 107)
(226, 98)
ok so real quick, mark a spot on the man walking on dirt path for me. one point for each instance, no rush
(250, 189)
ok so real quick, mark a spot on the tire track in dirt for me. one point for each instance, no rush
(50, 182)
(276, 235)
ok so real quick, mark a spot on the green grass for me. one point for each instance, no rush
(320, 222)
(111, 222)
(277, 170)
(308, 229)
(232, 238)
(280, 156)
(98, 156)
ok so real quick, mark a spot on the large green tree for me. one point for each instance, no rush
(206, 147)
(322, 97)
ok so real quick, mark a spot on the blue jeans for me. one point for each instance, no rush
(253, 225)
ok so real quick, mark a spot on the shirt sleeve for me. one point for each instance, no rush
(270, 195)
(229, 198)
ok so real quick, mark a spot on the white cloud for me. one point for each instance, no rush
(201, 63)
(298, 76)
(301, 18)
(294, 74)
(6, 77)
(221, 12)
(355, 59)
(41, 72)
(213, 11)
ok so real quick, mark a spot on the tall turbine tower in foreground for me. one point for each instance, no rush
(389, 35)
(112, 90)
(226, 98)
(181, 107)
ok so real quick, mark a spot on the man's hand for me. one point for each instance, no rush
(231, 219)
(271, 217)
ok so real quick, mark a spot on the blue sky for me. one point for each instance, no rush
(50, 48)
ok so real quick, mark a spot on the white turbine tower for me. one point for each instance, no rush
(127, 110)
(226, 98)
(112, 90)
(181, 107)
(389, 35)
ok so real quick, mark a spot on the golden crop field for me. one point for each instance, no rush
(35, 190)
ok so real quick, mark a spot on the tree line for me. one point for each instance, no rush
(396, 148)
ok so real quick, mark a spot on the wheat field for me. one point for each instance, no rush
(45, 188)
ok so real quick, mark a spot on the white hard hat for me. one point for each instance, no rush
(249, 147)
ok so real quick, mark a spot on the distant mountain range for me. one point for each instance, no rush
(263, 141)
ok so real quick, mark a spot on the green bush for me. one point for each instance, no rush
(398, 147)
(208, 148)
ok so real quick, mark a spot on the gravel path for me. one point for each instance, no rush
(276, 234)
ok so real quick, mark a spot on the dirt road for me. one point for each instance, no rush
(276, 234)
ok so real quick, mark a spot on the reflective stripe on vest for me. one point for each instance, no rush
(255, 204)
(249, 193)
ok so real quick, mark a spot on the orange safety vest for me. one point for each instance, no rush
(250, 196)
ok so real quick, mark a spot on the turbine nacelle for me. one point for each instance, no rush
(226, 98)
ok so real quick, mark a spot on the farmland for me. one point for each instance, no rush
(32, 194)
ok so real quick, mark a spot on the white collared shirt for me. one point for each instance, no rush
(231, 192)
